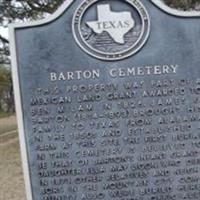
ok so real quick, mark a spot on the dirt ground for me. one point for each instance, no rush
(8, 124)
(11, 178)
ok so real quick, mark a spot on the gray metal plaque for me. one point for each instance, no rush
(108, 102)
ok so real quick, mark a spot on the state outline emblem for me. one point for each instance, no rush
(111, 30)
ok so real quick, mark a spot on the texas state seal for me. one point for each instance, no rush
(111, 29)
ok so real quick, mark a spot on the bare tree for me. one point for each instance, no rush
(22, 10)
(17, 11)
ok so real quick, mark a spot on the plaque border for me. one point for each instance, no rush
(16, 82)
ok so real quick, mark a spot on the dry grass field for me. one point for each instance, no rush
(11, 181)
(8, 124)
(11, 178)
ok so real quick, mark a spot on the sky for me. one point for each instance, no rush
(4, 32)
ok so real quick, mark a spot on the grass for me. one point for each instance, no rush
(8, 128)
(3, 115)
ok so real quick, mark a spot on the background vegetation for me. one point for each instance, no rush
(184, 4)
(17, 11)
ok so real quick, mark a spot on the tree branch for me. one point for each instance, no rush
(3, 39)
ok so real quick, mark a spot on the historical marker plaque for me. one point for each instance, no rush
(108, 101)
